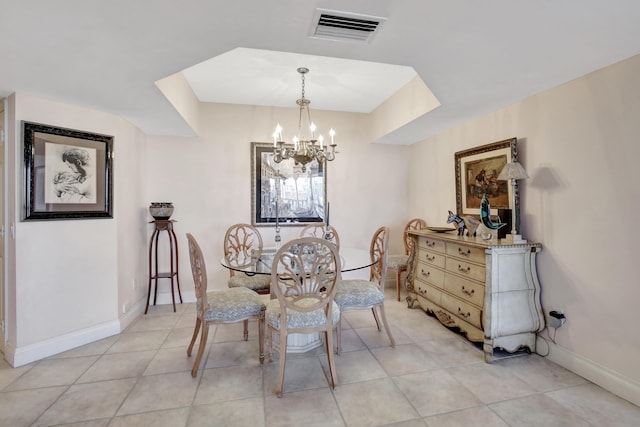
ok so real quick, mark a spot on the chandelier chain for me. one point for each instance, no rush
(304, 150)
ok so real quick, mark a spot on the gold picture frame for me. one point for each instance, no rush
(477, 170)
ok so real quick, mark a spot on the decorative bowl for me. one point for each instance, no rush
(441, 229)
(161, 211)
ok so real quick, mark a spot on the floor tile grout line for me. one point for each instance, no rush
(319, 357)
(52, 403)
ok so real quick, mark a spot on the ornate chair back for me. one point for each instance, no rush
(399, 262)
(225, 306)
(319, 230)
(304, 274)
(414, 224)
(357, 294)
(242, 249)
(242, 245)
(199, 271)
(378, 250)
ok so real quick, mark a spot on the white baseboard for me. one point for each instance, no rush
(165, 298)
(606, 378)
(134, 312)
(24, 355)
(33, 352)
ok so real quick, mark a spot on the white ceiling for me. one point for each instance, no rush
(475, 56)
(270, 78)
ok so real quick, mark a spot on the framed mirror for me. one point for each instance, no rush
(282, 192)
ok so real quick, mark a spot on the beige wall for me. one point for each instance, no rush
(579, 144)
(208, 180)
(69, 279)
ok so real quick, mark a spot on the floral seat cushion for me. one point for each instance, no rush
(299, 319)
(358, 294)
(397, 261)
(232, 305)
(257, 282)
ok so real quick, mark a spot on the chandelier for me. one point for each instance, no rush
(304, 150)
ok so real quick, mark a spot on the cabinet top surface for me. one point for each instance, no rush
(472, 241)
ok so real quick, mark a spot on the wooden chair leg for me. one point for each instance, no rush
(195, 335)
(398, 281)
(375, 316)
(386, 325)
(332, 366)
(203, 344)
(283, 358)
(270, 342)
(339, 336)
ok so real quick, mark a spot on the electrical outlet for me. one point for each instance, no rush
(556, 319)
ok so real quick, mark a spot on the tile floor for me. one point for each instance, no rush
(432, 377)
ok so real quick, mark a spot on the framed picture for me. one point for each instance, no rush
(477, 170)
(67, 173)
(283, 192)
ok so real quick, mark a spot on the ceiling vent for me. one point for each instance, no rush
(345, 26)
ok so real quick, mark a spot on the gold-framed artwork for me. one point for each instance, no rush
(477, 170)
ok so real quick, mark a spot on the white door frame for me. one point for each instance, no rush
(3, 228)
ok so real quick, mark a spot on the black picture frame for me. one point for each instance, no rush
(266, 175)
(67, 173)
(490, 158)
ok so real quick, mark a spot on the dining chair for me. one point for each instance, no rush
(243, 248)
(303, 279)
(319, 230)
(224, 306)
(399, 262)
(358, 294)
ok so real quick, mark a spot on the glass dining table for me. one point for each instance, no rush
(351, 260)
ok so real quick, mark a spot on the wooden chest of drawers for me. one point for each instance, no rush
(488, 290)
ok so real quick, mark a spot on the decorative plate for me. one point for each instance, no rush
(441, 229)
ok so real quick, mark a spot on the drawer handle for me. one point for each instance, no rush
(429, 243)
(422, 291)
(425, 274)
(468, 292)
(463, 253)
(465, 315)
(430, 259)
(463, 270)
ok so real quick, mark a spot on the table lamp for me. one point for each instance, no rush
(513, 171)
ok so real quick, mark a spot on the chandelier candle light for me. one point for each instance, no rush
(304, 149)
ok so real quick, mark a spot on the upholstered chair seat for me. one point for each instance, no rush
(231, 305)
(258, 282)
(397, 261)
(301, 319)
(358, 293)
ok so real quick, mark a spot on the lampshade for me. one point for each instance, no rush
(513, 170)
